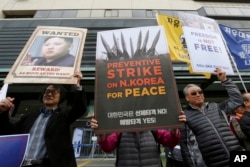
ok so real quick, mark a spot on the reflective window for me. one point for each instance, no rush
(111, 13)
(69, 14)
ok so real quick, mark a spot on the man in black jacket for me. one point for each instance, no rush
(207, 139)
(49, 128)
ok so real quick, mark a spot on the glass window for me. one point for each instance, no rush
(69, 13)
(111, 13)
(19, 14)
(83, 13)
(42, 14)
(125, 13)
(151, 13)
(139, 13)
(55, 14)
(97, 13)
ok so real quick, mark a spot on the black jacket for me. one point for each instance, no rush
(57, 134)
(138, 150)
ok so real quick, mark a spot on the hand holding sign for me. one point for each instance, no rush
(6, 104)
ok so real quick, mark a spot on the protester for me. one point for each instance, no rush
(55, 52)
(235, 126)
(245, 120)
(138, 148)
(206, 139)
(50, 142)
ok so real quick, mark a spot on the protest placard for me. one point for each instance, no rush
(135, 85)
(51, 55)
(205, 44)
(13, 148)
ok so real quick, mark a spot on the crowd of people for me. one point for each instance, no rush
(211, 130)
(206, 138)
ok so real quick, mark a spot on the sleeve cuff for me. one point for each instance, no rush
(225, 80)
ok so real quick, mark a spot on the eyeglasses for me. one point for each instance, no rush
(196, 92)
(52, 91)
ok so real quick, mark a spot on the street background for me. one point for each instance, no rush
(105, 162)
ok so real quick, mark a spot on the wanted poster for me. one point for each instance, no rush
(51, 55)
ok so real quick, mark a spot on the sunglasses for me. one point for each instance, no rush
(196, 92)
(52, 91)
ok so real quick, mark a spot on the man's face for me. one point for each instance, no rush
(239, 111)
(51, 96)
(54, 48)
(195, 96)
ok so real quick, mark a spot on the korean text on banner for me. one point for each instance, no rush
(238, 43)
(176, 41)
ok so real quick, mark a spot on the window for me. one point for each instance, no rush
(111, 13)
(19, 14)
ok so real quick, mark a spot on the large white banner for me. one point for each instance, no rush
(3, 91)
(205, 44)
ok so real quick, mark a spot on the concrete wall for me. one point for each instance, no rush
(111, 4)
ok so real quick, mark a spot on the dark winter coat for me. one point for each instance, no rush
(57, 134)
(245, 124)
(138, 150)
